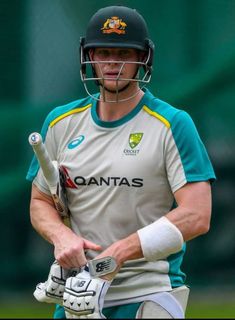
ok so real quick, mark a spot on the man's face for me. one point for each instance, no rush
(114, 64)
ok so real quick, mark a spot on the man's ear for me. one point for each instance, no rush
(91, 54)
(142, 56)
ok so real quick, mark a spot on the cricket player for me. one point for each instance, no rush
(138, 183)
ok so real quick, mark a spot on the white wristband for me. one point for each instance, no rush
(160, 239)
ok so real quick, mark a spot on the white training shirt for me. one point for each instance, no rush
(121, 176)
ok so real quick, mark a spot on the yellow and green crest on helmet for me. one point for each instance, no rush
(114, 24)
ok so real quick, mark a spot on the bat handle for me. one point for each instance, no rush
(49, 170)
(35, 138)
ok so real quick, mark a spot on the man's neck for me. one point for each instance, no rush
(111, 111)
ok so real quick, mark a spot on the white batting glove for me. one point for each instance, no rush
(52, 290)
(84, 296)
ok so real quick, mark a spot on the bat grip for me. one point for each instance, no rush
(50, 172)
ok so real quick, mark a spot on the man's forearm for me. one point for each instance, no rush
(193, 214)
(123, 250)
(46, 220)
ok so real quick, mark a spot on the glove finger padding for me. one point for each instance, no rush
(84, 296)
(52, 290)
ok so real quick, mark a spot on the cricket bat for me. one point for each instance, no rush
(53, 175)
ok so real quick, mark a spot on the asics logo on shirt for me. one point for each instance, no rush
(76, 142)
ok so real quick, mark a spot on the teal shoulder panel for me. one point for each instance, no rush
(194, 157)
(55, 113)
(160, 107)
(196, 163)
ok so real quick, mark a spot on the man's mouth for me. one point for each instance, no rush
(112, 74)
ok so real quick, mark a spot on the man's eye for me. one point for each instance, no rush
(103, 53)
(124, 53)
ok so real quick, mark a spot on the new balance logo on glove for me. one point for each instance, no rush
(100, 267)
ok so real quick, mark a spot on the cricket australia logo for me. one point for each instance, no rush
(134, 140)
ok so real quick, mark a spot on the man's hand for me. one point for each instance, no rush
(70, 248)
(52, 290)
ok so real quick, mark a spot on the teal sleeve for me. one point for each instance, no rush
(194, 157)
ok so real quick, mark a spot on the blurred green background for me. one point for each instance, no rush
(194, 69)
